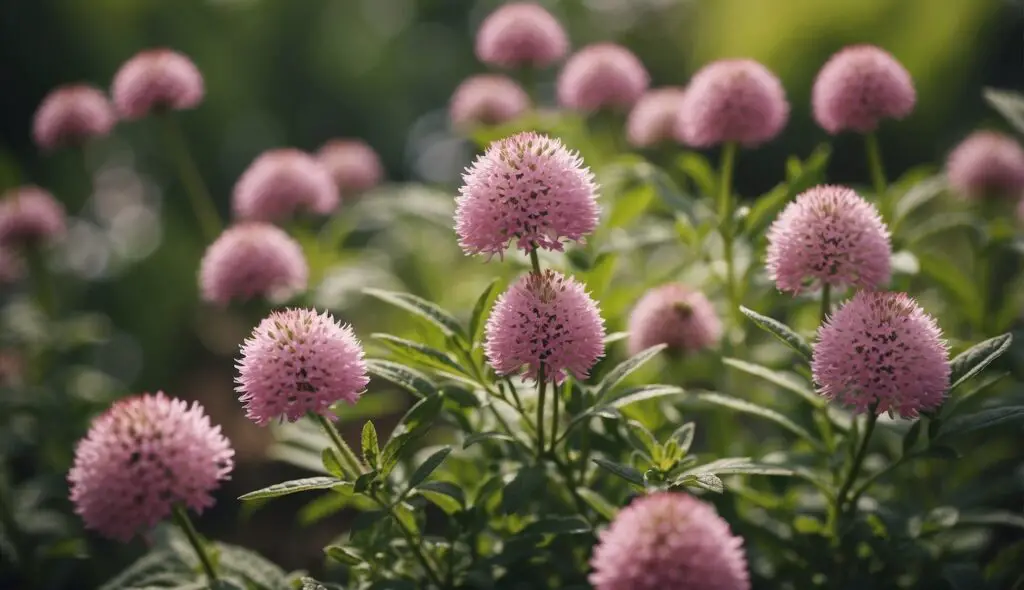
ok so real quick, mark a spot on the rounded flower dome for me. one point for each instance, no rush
(987, 164)
(487, 99)
(353, 164)
(654, 117)
(253, 259)
(602, 76)
(71, 115)
(156, 80)
(521, 34)
(860, 86)
(29, 215)
(281, 183)
(674, 315)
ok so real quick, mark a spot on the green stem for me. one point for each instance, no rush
(858, 460)
(874, 477)
(42, 281)
(410, 539)
(554, 420)
(725, 219)
(874, 154)
(535, 260)
(182, 520)
(202, 203)
(352, 462)
(826, 301)
(542, 388)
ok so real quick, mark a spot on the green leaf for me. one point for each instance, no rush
(699, 169)
(371, 449)
(332, 463)
(684, 436)
(967, 423)
(292, 487)
(482, 436)
(425, 309)
(342, 555)
(960, 287)
(522, 489)
(788, 381)
(642, 439)
(615, 337)
(363, 482)
(624, 471)
(973, 360)
(780, 331)
(446, 495)
(739, 466)
(992, 518)
(950, 407)
(598, 503)
(148, 569)
(411, 380)
(918, 195)
(1009, 104)
(557, 525)
(644, 393)
(420, 353)
(251, 568)
(753, 409)
(483, 303)
(630, 204)
(706, 481)
(427, 467)
(621, 371)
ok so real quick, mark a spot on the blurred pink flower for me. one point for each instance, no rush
(655, 116)
(828, 235)
(299, 361)
(142, 457)
(252, 259)
(987, 163)
(545, 320)
(281, 183)
(29, 215)
(602, 76)
(860, 86)
(353, 164)
(882, 348)
(733, 100)
(669, 541)
(529, 189)
(156, 80)
(487, 99)
(521, 34)
(675, 315)
(71, 115)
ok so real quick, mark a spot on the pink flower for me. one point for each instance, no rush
(527, 188)
(882, 348)
(828, 235)
(654, 117)
(156, 80)
(487, 99)
(71, 115)
(602, 76)
(298, 361)
(732, 100)
(281, 183)
(987, 163)
(353, 164)
(29, 215)
(253, 259)
(545, 320)
(142, 457)
(521, 34)
(675, 315)
(858, 87)
(669, 541)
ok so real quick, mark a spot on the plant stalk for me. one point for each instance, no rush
(410, 538)
(352, 462)
(535, 261)
(725, 219)
(826, 301)
(185, 524)
(542, 388)
(202, 204)
(874, 154)
(858, 460)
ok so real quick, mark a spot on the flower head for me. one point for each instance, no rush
(669, 541)
(299, 361)
(882, 349)
(71, 115)
(654, 117)
(280, 183)
(250, 260)
(353, 164)
(733, 100)
(602, 76)
(829, 235)
(141, 458)
(487, 99)
(675, 315)
(987, 163)
(527, 188)
(545, 320)
(858, 87)
(521, 34)
(156, 80)
(30, 215)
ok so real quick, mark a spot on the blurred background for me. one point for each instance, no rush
(301, 72)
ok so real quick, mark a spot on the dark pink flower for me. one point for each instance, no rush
(987, 163)
(882, 349)
(156, 80)
(733, 100)
(654, 117)
(145, 455)
(299, 361)
(602, 76)
(527, 189)
(860, 86)
(675, 315)
(29, 215)
(71, 115)
(669, 541)
(829, 235)
(487, 99)
(521, 34)
(253, 259)
(545, 320)
(353, 164)
(281, 183)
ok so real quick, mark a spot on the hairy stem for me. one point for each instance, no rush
(535, 261)
(352, 462)
(855, 465)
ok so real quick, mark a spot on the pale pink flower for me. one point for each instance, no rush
(281, 183)
(71, 115)
(521, 34)
(29, 215)
(655, 116)
(487, 99)
(156, 80)
(353, 164)
(860, 86)
(987, 163)
(252, 259)
(674, 315)
(602, 76)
